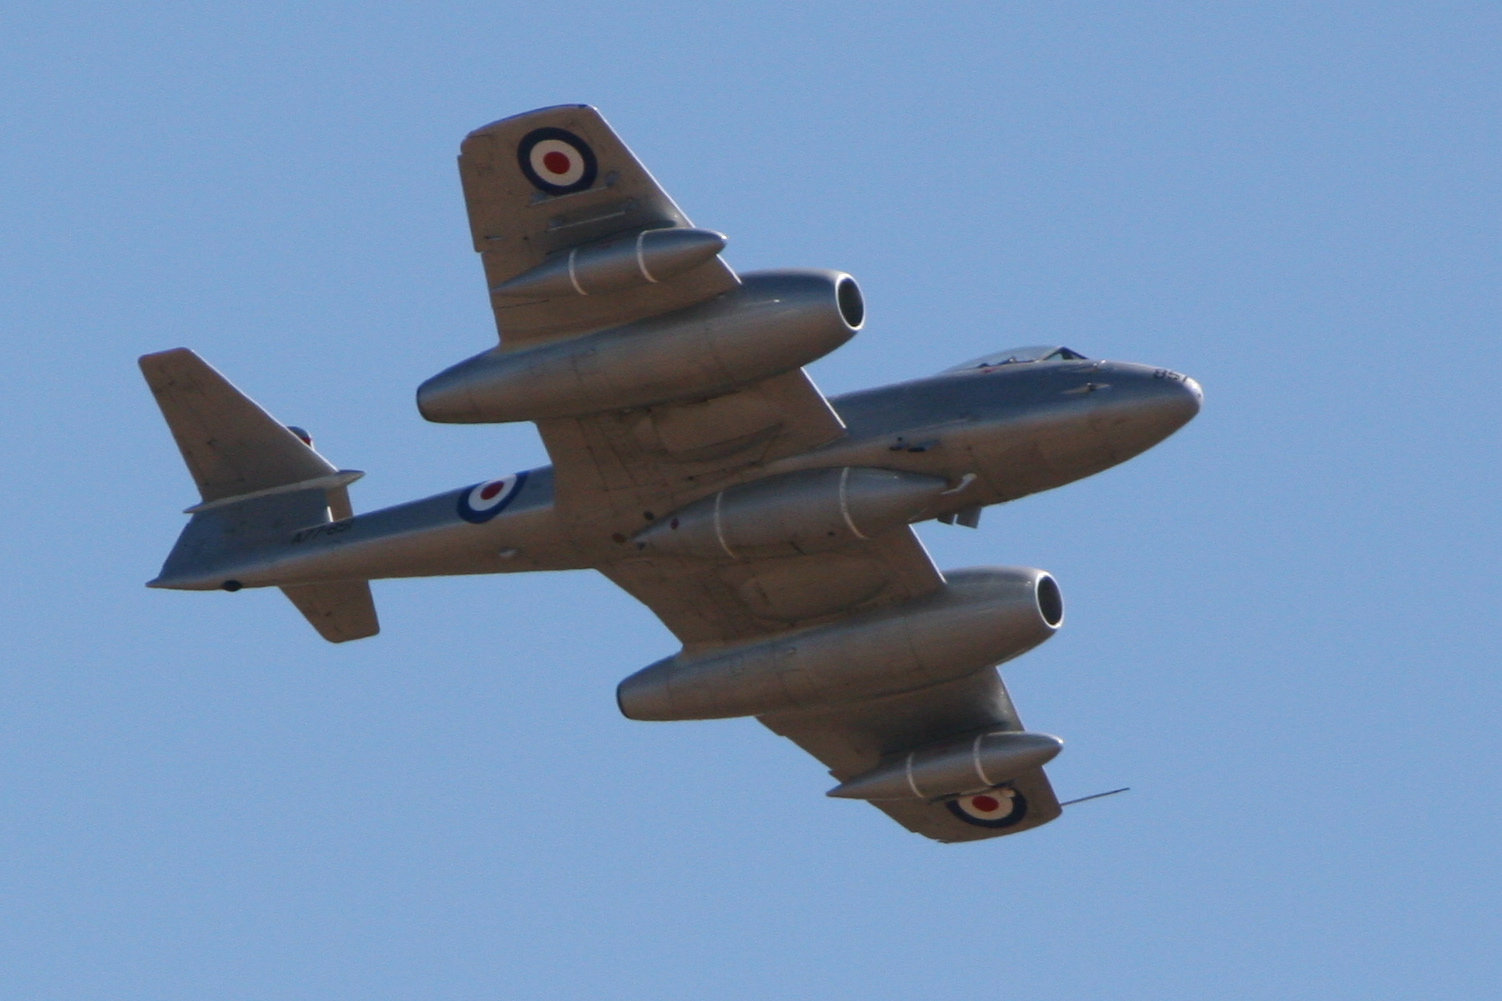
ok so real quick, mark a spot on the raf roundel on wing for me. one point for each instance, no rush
(484, 501)
(994, 808)
(556, 161)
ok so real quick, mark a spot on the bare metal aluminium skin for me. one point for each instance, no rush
(696, 466)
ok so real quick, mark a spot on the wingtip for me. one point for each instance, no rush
(491, 126)
(152, 356)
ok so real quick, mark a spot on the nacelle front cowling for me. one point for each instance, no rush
(775, 322)
(980, 617)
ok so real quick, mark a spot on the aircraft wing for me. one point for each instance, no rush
(615, 472)
(539, 184)
(852, 738)
(707, 602)
(546, 187)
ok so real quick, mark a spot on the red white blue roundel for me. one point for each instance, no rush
(993, 808)
(484, 501)
(557, 161)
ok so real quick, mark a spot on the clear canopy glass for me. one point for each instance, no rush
(1014, 356)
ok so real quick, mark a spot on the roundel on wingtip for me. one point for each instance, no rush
(556, 161)
(993, 808)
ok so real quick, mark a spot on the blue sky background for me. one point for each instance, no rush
(1283, 628)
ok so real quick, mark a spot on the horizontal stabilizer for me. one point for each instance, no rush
(340, 611)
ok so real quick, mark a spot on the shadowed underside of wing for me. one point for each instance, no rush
(852, 739)
(558, 206)
(547, 185)
(614, 469)
(710, 602)
(539, 184)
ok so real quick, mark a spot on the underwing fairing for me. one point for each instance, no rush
(696, 465)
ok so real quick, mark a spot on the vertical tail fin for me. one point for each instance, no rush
(255, 476)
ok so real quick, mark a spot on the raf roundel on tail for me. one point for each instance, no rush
(697, 466)
(557, 161)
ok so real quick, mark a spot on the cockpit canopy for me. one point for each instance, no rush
(1016, 356)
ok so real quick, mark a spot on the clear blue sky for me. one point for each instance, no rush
(1283, 624)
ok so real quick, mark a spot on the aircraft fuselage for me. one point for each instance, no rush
(996, 433)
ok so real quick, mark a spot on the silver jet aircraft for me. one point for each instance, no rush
(697, 466)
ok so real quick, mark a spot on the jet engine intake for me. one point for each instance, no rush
(803, 512)
(954, 767)
(980, 617)
(775, 322)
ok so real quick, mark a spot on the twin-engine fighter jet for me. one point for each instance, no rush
(696, 466)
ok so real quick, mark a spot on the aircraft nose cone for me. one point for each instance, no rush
(1175, 400)
(1185, 397)
(1144, 406)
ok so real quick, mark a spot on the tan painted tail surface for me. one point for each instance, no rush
(234, 449)
(341, 611)
(231, 445)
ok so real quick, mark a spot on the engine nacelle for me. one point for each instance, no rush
(803, 512)
(774, 322)
(980, 617)
(954, 768)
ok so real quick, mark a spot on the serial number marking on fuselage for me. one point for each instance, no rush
(1169, 374)
(332, 528)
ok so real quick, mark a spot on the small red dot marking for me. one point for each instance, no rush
(556, 162)
(493, 489)
(985, 803)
